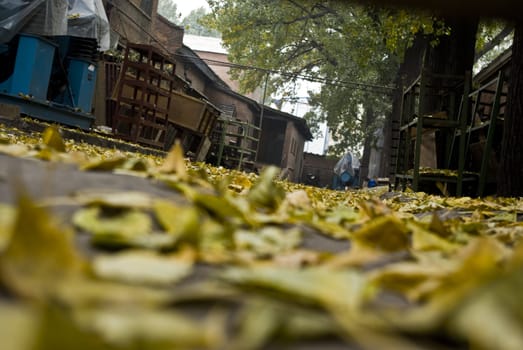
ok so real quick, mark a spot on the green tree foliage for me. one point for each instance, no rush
(169, 10)
(353, 51)
(194, 26)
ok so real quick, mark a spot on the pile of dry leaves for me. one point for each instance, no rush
(226, 267)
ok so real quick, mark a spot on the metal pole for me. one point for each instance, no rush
(222, 141)
(261, 114)
(494, 114)
(463, 119)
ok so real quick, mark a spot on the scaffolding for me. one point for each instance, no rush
(235, 144)
(432, 105)
(468, 133)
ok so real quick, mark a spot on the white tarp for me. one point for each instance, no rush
(14, 14)
(82, 18)
(344, 165)
(87, 19)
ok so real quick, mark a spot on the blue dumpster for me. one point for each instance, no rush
(81, 75)
(34, 61)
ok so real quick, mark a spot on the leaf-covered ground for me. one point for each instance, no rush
(228, 260)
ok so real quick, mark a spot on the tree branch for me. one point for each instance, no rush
(307, 17)
(310, 13)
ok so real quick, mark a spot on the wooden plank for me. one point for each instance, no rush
(9, 111)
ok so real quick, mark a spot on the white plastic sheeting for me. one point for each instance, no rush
(50, 19)
(14, 14)
(87, 19)
(82, 18)
(344, 165)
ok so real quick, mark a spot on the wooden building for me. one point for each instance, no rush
(282, 142)
(319, 166)
(282, 137)
(132, 20)
(245, 134)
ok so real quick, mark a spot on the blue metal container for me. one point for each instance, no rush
(34, 61)
(48, 111)
(82, 79)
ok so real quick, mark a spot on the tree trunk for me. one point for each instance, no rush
(510, 171)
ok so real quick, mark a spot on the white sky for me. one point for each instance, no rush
(186, 6)
(317, 145)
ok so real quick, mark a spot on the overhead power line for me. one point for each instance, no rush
(315, 79)
(356, 85)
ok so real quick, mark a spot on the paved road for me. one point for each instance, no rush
(44, 179)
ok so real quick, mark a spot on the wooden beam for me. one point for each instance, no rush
(509, 9)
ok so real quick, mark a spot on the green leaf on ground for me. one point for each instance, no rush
(144, 267)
